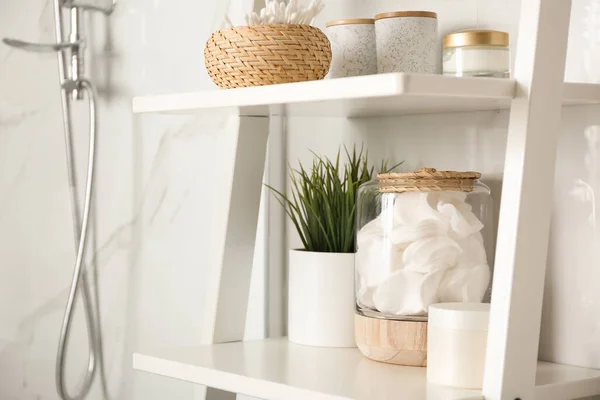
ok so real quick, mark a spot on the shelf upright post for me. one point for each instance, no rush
(526, 204)
(229, 274)
(229, 287)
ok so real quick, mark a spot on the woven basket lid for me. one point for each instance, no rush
(427, 180)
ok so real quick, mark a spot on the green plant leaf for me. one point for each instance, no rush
(322, 203)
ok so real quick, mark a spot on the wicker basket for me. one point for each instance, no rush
(267, 54)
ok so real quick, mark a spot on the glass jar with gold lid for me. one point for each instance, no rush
(477, 53)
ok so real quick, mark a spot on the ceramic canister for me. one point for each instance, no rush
(353, 47)
(407, 42)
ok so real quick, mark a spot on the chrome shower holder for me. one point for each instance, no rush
(73, 74)
(74, 86)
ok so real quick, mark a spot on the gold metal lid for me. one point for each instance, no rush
(351, 21)
(476, 38)
(400, 14)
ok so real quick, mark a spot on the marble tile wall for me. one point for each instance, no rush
(153, 197)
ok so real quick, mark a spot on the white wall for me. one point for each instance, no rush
(153, 206)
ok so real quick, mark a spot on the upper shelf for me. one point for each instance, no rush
(364, 96)
(275, 369)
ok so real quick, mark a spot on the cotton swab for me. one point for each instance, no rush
(277, 12)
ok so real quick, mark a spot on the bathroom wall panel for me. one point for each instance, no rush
(153, 199)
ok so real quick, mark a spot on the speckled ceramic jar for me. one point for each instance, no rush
(353, 47)
(407, 42)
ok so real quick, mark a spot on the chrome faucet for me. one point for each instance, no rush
(75, 45)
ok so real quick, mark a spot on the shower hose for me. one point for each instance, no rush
(81, 278)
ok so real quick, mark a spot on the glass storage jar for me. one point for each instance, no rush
(421, 239)
(477, 53)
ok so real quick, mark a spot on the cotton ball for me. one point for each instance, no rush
(462, 220)
(365, 294)
(473, 251)
(375, 225)
(381, 226)
(370, 230)
(451, 196)
(403, 235)
(465, 284)
(425, 268)
(404, 204)
(376, 259)
(410, 208)
(435, 250)
(408, 292)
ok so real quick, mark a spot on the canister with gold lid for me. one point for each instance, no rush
(353, 47)
(407, 41)
(477, 53)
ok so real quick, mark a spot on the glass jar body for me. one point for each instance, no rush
(415, 248)
(487, 61)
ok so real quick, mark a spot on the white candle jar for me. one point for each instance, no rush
(353, 47)
(423, 238)
(407, 42)
(477, 53)
(456, 344)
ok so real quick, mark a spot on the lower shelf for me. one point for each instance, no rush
(277, 369)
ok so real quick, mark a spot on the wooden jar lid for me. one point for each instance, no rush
(392, 342)
(430, 173)
(427, 180)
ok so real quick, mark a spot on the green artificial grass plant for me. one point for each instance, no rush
(322, 204)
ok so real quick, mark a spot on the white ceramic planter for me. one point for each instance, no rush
(321, 299)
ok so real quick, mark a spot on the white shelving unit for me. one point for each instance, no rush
(276, 369)
(363, 96)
